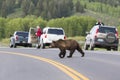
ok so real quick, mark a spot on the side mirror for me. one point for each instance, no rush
(11, 35)
(87, 32)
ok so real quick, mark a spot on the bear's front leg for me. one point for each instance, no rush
(71, 53)
(62, 53)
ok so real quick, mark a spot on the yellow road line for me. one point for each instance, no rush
(69, 71)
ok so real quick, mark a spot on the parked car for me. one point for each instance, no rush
(51, 34)
(19, 38)
(102, 37)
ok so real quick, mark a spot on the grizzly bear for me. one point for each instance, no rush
(64, 45)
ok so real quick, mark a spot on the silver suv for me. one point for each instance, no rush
(102, 37)
(19, 38)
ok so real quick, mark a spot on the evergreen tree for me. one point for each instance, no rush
(25, 6)
(1, 2)
(39, 8)
(4, 9)
(31, 8)
(64, 9)
(35, 2)
(10, 5)
(18, 3)
(79, 7)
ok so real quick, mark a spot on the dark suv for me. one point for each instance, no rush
(19, 38)
(102, 37)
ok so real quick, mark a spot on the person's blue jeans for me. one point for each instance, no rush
(38, 39)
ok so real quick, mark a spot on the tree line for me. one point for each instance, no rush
(47, 9)
(53, 13)
(109, 7)
(73, 26)
(114, 3)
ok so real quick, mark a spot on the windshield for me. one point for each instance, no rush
(106, 30)
(25, 34)
(55, 31)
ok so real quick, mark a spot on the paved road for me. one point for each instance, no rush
(44, 64)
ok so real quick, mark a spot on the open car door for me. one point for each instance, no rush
(32, 37)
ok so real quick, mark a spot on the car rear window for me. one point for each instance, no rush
(55, 31)
(106, 30)
(25, 34)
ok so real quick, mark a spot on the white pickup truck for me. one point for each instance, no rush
(49, 34)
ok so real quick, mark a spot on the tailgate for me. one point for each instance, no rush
(22, 39)
(54, 37)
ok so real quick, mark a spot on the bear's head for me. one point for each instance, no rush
(53, 44)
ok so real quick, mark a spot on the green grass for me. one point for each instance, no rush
(77, 38)
(5, 42)
(105, 18)
(18, 13)
(80, 39)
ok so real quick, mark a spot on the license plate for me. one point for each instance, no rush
(100, 40)
(23, 42)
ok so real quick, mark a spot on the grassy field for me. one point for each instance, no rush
(106, 19)
(80, 39)
(5, 42)
(77, 38)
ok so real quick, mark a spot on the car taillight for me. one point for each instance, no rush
(96, 33)
(16, 37)
(117, 34)
(45, 36)
(64, 37)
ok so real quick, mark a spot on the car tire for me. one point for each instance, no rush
(11, 43)
(37, 46)
(42, 45)
(11, 46)
(115, 48)
(30, 45)
(109, 49)
(15, 46)
(86, 46)
(91, 45)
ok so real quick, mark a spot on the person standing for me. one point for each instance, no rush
(99, 22)
(38, 34)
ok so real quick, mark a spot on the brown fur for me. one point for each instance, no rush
(64, 45)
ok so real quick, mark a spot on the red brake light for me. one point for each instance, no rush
(45, 36)
(117, 34)
(64, 37)
(16, 37)
(96, 32)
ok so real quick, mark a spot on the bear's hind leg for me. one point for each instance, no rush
(81, 51)
(71, 53)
